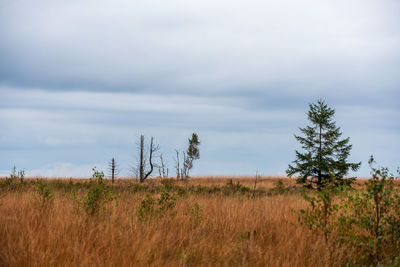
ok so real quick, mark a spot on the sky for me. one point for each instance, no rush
(80, 81)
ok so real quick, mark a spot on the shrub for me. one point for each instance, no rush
(166, 201)
(146, 208)
(370, 219)
(98, 195)
(231, 188)
(281, 188)
(44, 195)
(199, 189)
(15, 177)
(168, 183)
(366, 222)
(320, 218)
(180, 190)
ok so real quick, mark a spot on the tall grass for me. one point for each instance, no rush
(203, 228)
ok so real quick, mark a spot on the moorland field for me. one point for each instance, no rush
(201, 221)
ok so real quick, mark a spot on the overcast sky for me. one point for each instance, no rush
(81, 80)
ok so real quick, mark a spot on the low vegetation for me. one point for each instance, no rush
(200, 221)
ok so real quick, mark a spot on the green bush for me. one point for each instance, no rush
(149, 208)
(320, 218)
(15, 181)
(280, 188)
(98, 195)
(365, 222)
(168, 183)
(20, 175)
(231, 188)
(44, 195)
(166, 201)
(370, 219)
(146, 208)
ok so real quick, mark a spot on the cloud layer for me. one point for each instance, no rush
(79, 81)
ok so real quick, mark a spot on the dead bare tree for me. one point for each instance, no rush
(162, 169)
(144, 172)
(255, 184)
(185, 169)
(177, 167)
(135, 170)
(183, 172)
(113, 169)
(142, 160)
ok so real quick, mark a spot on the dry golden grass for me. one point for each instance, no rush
(232, 230)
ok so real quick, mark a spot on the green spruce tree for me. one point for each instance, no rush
(325, 154)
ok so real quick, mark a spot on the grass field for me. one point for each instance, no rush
(200, 222)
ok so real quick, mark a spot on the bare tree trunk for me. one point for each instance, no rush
(162, 167)
(185, 166)
(255, 184)
(152, 149)
(112, 169)
(141, 162)
(177, 165)
(320, 158)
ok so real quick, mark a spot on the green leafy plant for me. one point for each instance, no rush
(146, 208)
(168, 184)
(366, 221)
(279, 187)
(166, 201)
(15, 176)
(44, 195)
(231, 188)
(370, 221)
(98, 195)
(320, 218)
(149, 207)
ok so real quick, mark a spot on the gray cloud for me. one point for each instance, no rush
(83, 128)
(80, 80)
(175, 46)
